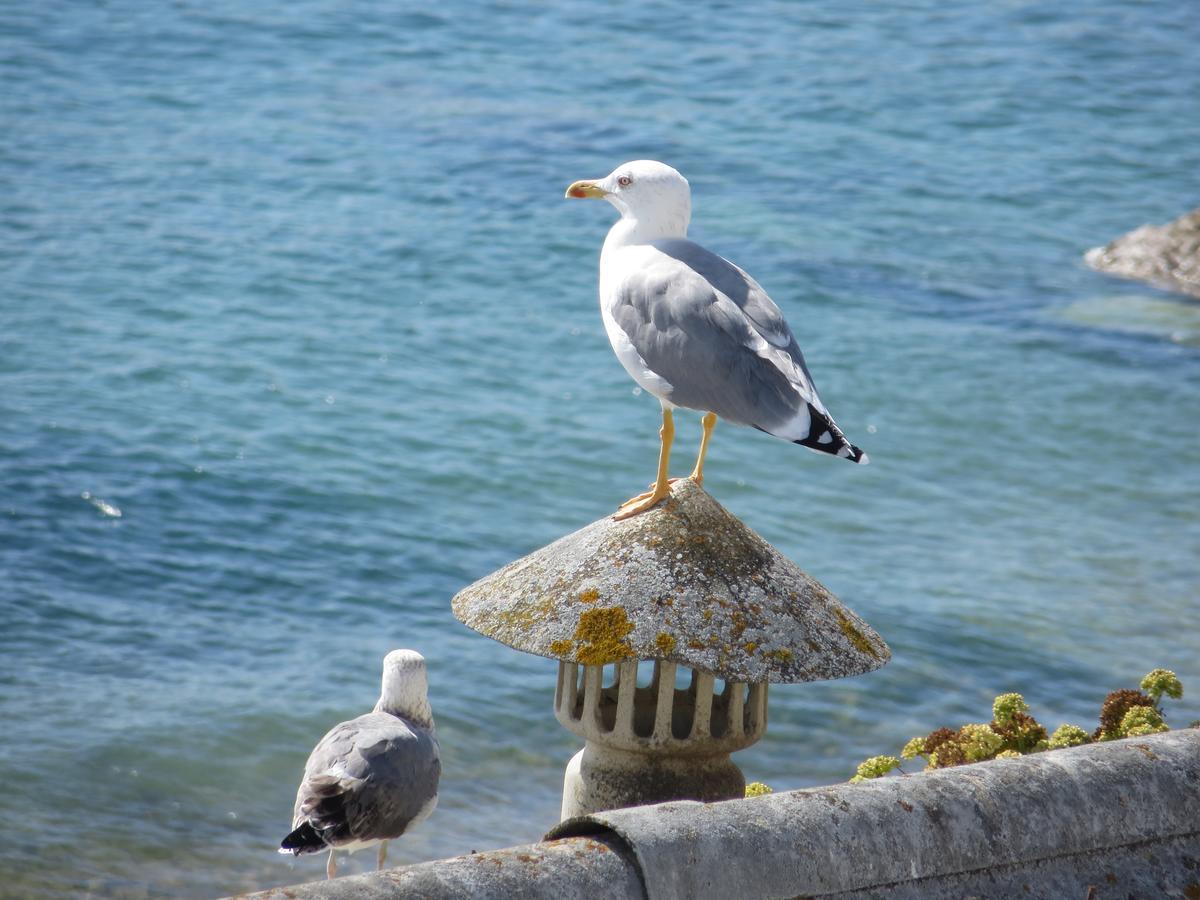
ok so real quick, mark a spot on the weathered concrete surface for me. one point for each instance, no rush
(1121, 817)
(1164, 255)
(601, 778)
(557, 870)
(685, 582)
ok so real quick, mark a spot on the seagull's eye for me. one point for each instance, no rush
(624, 181)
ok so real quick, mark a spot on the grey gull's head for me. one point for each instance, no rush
(405, 687)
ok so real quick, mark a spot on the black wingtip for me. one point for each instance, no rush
(841, 451)
(857, 456)
(304, 839)
(825, 437)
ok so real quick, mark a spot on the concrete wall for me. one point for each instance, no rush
(556, 870)
(1119, 818)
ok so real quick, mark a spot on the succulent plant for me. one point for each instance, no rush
(1014, 732)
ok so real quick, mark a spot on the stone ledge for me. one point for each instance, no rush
(1119, 816)
(556, 870)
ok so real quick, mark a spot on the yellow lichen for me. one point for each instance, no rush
(739, 623)
(664, 642)
(856, 637)
(601, 636)
(522, 617)
(758, 789)
(750, 646)
(591, 595)
(707, 615)
(696, 645)
(560, 648)
(783, 655)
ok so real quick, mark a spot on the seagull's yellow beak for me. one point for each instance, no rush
(582, 189)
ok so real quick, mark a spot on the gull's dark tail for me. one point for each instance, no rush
(825, 436)
(304, 839)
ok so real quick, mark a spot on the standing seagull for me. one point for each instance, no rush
(372, 778)
(695, 330)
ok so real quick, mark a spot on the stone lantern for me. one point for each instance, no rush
(668, 627)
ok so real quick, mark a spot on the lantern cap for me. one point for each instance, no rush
(687, 582)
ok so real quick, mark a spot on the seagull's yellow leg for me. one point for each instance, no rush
(331, 866)
(662, 487)
(708, 422)
(382, 855)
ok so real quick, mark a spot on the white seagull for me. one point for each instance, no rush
(373, 778)
(695, 330)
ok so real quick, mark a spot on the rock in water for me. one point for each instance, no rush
(1167, 256)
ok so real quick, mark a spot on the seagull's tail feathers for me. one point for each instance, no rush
(825, 436)
(304, 839)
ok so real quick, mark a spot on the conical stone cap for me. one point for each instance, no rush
(685, 582)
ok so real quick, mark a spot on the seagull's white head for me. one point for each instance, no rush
(405, 687)
(654, 198)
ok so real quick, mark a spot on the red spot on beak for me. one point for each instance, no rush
(578, 192)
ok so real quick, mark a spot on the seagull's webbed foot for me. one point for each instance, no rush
(641, 496)
(642, 502)
(646, 494)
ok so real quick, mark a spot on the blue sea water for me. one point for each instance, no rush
(298, 337)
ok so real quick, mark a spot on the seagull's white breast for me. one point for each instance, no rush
(614, 263)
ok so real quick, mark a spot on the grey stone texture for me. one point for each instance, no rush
(685, 582)
(1167, 256)
(1108, 820)
(554, 870)
(601, 778)
(1045, 825)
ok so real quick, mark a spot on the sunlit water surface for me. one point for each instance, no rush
(297, 338)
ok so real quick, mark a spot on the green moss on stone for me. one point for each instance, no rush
(856, 637)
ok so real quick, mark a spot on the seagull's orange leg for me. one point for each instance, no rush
(331, 866)
(662, 487)
(708, 422)
(382, 855)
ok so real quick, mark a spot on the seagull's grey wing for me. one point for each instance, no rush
(736, 284)
(368, 779)
(708, 329)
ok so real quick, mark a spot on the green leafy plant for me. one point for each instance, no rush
(875, 767)
(1014, 732)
